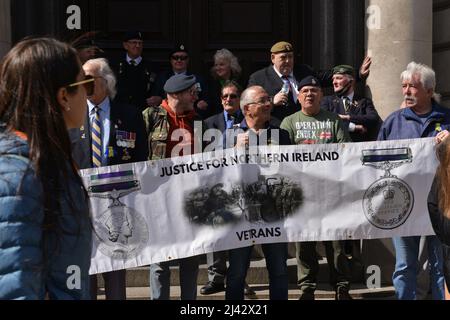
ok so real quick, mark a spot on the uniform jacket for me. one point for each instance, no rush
(272, 83)
(157, 127)
(34, 261)
(405, 124)
(362, 112)
(123, 118)
(134, 83)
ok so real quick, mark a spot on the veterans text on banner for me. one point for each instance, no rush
(149, 212)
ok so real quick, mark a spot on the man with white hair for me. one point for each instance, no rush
(421, 117)
(113, 133)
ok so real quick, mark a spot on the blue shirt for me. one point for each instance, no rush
(105, 116)
(229, 121)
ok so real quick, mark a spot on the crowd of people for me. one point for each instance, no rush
(62, 109)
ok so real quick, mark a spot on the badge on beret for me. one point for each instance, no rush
(182, 47)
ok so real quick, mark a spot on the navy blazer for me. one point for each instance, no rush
(124, 118)
(362, 112)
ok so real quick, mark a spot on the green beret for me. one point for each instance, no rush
(344, 69)
(282, 46)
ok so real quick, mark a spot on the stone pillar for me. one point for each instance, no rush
(397, 32)
(5, 27)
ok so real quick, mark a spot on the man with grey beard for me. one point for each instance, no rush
(420, 117)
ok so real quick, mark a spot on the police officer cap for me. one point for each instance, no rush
(133, 35)
(179, 48)
(179, 83)
(309, 81)
(282, 46)
(344, 69)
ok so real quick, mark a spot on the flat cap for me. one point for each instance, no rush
(179, 48)
(309, 81)
(344, 69)
(179, 82)
(133, 35)
(282, 46)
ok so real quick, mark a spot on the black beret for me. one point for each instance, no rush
(179, 82)
(344, 69)
(309, 81)
(133, 35)
(178, 48)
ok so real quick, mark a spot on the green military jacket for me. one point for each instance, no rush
(158, 127)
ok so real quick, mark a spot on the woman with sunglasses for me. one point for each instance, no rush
(45, 229)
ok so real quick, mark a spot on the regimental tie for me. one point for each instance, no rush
(133, 62)
(347, 103)
(96, 135)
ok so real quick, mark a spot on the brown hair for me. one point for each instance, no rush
(443, 176)
(30, 76)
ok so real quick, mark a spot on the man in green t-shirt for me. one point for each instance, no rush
(312, 125)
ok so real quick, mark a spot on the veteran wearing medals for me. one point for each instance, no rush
(112, 134)
(421, 117)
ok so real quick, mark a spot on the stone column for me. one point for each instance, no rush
(5, 27)
(397, 32)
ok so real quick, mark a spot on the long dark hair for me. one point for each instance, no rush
(30, 76)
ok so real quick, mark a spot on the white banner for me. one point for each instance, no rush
(156, 211)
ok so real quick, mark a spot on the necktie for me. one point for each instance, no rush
(287, 84)
(346, 104)
(96, 137)
(230, 121)
(133, 63)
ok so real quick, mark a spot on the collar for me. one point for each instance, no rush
(105, 105)
(435, 114)
(176, 73)
(290, 76)
(350, 96)
(138, 60)
(236, 114)
(243, 125)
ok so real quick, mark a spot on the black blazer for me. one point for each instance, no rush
(124, 118)
(362, 111)
(272, 83)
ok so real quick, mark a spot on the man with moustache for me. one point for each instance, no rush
(313, 125)
(421, 117)
(166, 125)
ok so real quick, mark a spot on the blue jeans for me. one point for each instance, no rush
(407, 264)
(276, 256)
(160, 279)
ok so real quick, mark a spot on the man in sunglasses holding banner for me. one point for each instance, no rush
(112, 134)
(179, 64)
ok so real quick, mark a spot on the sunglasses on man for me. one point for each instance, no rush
(88, 84)
(179, 58)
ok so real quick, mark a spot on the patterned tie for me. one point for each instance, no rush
(96, 135)
(133, 63)
(346, 104)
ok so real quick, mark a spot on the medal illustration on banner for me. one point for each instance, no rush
(121, 230)
(388, 202)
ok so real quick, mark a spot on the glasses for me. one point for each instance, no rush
(179, 58)
(262, 101)
(230, 96)
(88, 84)
(136, 42)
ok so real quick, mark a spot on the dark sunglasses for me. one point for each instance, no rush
(179, 58)
(231, 96)
(88, 84)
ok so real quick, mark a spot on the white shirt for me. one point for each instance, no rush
(292, 81)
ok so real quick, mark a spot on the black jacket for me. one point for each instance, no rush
(362, 112)
(441, 226)
(272, 83)
(124, 118)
